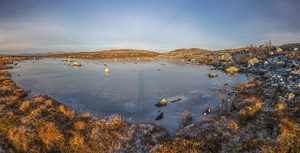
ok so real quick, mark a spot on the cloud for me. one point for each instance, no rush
(158, 26)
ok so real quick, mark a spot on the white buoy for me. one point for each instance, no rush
(106, 70)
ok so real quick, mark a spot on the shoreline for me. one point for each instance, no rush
(262, 112)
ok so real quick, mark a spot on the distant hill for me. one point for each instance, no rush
(189, 51)
(40, 54)
(184, 53)
(130, 53)
(116, 53)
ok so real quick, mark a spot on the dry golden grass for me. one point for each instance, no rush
(84, 115)
(77, 142)
(233, 126)
(289, 136)
(50, 135)
(281, 106)
(43, 108)
(79, 125)
(5, 73)
(63, 109)
(24, 106)
(49, 102)
(22, 139)
(1, 108)
(2, 78)
(180, 145)
(39, 99)
(185, 117)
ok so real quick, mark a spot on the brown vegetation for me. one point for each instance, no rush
(185, 117)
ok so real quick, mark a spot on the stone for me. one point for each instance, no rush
(278, 49)
(160, 116)
(296, 71)
(226, 57)
(280, 62)
(161, 103)
(274, 85)
(295, 49)
(77, 64)
(291, 96)
(232, 69)
(252, 61)
(213, 75)
(266, 63)
(175, 100)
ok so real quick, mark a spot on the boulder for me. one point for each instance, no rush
(266, 63)
(160, 116)
(278, 49)
(296, 71)
(291, 96)
(77, 64)
(226, 57)
(161, 103)
(213, 75)
(232, 69)
(252, 61)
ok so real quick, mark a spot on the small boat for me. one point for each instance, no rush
(106, 70)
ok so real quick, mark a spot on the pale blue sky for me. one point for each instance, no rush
(36, 26)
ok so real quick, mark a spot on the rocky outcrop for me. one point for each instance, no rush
(232, 69)
(161, 103)
(226, 57)
(252, 61)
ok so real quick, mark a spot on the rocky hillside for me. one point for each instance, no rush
(185, 53)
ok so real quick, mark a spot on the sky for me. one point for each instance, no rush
(40, 26)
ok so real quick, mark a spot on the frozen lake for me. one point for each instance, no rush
(130, 89)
